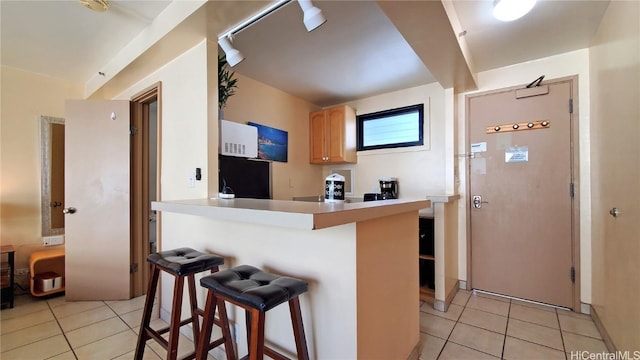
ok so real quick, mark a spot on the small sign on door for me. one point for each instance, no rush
(478, 147)
(516, 154)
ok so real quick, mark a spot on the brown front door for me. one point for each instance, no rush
(97, 153)
(521, 193)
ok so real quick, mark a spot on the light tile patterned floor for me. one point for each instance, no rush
(476, 326)
(55, 329)
(482, 326)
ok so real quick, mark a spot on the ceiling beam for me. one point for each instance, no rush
(426, 27)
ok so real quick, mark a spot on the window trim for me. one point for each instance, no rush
(361, 119)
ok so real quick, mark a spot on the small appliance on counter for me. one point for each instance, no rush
(372, 197)
(334, 188)
(389, 188)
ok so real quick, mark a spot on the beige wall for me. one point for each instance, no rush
(184, 117)
(272, 107)
(24, 97)
(421, 171)
(615, 124)
(567, 64)
(263, 104)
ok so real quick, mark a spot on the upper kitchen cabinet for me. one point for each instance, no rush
(332, 136)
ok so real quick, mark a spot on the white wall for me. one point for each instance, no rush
(421, 171)
(567, 64)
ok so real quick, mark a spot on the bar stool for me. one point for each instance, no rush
(181, 263)
(256, 292)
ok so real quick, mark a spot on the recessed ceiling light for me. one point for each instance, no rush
(509, 10)
(96, 5)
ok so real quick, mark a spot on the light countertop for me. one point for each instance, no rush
(291, 214)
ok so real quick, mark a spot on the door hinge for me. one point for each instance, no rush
(133, 268)
(570, 106)
(571, 189)
(133, 130)
(573, 275)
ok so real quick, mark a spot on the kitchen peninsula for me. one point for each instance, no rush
(358, 258)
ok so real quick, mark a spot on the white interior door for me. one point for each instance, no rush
(97, 187)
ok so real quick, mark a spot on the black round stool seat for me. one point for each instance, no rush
(254, 287)
(182, 264)
(184, 261)
(256, 292)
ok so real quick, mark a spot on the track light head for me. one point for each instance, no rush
(313, 16)
(234, 56)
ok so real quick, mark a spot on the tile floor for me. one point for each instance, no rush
(482, 326)
(476, 326)
(55, 329)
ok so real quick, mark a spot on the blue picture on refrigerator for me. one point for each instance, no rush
(272, 143)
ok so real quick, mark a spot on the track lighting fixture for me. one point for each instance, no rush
(234, 56)
(313, 16)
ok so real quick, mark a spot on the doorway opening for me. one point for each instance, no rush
(145, 184)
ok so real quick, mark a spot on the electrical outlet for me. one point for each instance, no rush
(22, 272)
(53, 240)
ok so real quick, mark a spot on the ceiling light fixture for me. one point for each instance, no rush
(234, 56)
(313, 16)
(312, 19)
(96, 5)
(509, 10)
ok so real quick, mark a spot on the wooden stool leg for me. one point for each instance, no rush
(195, 312)
(146, 314)
(174, 326)
(247, 322)
(256, 347)
(298, 329)
(226, 332)
(207, 325)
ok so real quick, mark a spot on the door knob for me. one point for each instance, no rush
(477, 201)
(69, 210)
(614, 212)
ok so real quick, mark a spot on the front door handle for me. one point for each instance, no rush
(477, 201)
(69, 210)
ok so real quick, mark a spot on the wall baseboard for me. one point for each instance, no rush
(603, 331)
(444, 305)
(415, 353)
(585, 308)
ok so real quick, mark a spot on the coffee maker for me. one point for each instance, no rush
(389, 188)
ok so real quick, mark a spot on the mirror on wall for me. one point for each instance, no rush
(52, 174)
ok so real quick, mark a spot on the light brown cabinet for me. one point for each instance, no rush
(332, 136)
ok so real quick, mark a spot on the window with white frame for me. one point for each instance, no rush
(392, 128)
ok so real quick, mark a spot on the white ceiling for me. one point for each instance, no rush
(63, 39)
(357, 53)
(552, 27)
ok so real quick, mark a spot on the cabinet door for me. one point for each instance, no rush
(335, 134)
(317, 142)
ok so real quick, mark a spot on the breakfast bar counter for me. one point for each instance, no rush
(358, 258)
(291, 214)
